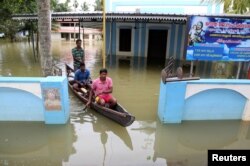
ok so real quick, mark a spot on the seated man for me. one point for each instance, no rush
(102, 88)
(82, 76)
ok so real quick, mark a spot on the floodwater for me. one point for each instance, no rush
(91, 139)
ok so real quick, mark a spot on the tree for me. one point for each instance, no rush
(60, 7)
(85, 6)
(233, 6)
(8, 26)
(44, 24)
(98, 5)
(18, 6)
(75, 5)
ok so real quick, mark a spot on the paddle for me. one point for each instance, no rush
(85, 108)
(83, 90)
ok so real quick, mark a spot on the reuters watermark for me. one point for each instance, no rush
(229, 157)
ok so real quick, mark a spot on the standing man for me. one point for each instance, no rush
(78, 54)
(102, 88)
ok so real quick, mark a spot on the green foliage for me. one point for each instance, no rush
(9, 7)
(75, 4)
(59, 7)
(19, 6)
(10, 27)
(241, 6)
(55, 26)
(98, 5)
(232, 6)
(85, 6)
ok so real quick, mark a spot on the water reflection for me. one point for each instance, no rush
(187, 144)
(132, 63)
(17, 59)
(105, 129)
(35, 143)
(102, 125)
(147, 127)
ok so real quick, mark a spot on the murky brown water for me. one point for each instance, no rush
(91, 139)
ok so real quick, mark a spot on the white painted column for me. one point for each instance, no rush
(246, 113)
(90, 37)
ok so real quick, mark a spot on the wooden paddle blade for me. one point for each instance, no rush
(84, 108)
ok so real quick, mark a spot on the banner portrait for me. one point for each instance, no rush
(217, 38)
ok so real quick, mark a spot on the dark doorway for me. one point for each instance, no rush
(157, 44)
(125, 40)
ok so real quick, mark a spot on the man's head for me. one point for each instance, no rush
(199, 25)
(103, 74)
(78, 43)
(82, 67)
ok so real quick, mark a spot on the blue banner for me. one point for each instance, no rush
(215, 38)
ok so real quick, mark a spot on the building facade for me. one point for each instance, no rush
(71, 31)
(152, 38)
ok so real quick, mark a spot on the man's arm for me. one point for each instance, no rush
(72, 51)
(88, 80)
(76, 60)
(91, 93)
(76, 79)
(90, 98)
(88, 74)
(110, 90)
(110, 87)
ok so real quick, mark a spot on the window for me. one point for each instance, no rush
(63, 35)
(65, 24)
(125, 40)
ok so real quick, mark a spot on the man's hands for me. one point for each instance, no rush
(87, 105)
(103, 92)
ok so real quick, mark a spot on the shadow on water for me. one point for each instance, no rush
(102, 125)
(187, 143)
(105, 129)
(34, 143)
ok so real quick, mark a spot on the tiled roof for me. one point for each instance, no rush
(97, 16)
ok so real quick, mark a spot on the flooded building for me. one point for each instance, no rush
(146, 33)
(138, 31)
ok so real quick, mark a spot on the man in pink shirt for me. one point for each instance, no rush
(102, 88)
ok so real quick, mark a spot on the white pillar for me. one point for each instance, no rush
(90, 37)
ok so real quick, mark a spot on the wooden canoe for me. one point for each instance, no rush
(117, 114)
